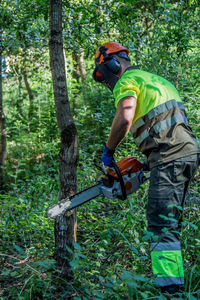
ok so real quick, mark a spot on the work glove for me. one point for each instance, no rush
(107, 157)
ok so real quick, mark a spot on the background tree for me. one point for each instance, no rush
(68, 156)
(2, 128)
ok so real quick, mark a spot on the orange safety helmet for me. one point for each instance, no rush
(111, 48)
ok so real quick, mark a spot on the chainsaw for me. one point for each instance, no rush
(120, 180)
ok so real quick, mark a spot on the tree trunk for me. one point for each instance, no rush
(2, 131)
(68, 156)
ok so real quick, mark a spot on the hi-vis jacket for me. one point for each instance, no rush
(160, 126)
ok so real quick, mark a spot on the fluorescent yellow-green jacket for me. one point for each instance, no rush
(160, 126)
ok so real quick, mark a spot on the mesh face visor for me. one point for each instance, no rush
(103, 75)
(98, 75)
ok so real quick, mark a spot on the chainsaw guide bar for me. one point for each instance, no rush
(123, 179)
(69, 203)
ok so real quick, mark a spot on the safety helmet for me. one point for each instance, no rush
(111, 48)
(108, 66)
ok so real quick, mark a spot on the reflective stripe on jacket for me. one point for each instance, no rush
(164, 134)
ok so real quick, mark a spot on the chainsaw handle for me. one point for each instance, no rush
(123, 189)
(100, 166)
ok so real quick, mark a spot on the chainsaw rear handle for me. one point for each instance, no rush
(117, 170)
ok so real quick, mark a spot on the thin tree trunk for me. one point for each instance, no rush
(76, 82)
(79, 66)
(79, 72)
(2, 131)
(19, 99)
(82, 67)
(30, 96)
(76, 71)
(68, 156)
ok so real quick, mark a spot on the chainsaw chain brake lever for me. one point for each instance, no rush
(100, 166)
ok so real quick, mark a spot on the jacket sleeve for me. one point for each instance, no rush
(125, 87)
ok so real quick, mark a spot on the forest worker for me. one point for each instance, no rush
(151, 108)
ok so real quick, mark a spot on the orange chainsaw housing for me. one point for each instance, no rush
(127, 165)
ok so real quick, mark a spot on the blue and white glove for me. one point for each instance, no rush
(107, 157)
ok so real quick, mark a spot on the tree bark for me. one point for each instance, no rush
(2, 130)
(68, 156)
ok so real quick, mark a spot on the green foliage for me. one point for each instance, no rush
(112, 258)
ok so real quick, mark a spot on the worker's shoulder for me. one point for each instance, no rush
(138, 75)
(141, 73)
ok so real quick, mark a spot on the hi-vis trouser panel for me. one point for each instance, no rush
(163, 134)
(167, 263)
(168, 186)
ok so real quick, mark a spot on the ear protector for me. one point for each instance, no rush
(111, 62)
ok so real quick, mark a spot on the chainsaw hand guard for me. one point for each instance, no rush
(123, 189)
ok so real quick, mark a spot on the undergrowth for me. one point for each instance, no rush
(112, 257)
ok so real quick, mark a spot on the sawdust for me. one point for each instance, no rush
(59, 208)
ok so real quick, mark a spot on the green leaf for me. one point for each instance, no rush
(19, 249)
(74, 263)
(14, 274)
(77, 246)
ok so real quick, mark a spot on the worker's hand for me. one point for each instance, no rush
(107, 157)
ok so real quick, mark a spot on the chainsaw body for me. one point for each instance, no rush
(132, 176)
(132, 183)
